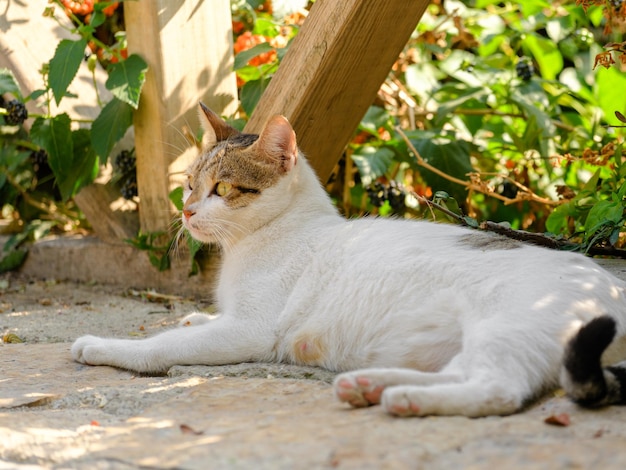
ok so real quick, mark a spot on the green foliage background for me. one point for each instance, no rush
(501, 98)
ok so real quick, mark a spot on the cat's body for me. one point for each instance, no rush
(448, 320)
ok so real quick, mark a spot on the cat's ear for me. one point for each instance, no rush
(277, 143)
(215, 129)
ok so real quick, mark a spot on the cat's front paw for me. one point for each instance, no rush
(89, 350)
(357, 389)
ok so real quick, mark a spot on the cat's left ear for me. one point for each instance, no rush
(215, 129)
(277, 143)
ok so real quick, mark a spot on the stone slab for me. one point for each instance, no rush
(56, 414)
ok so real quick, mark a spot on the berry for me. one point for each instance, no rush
(378, 193)
(395, 196)
(125, 161)
(78, 7)
(524, 69)
(39, 157)
(129, 188)
(16, 113)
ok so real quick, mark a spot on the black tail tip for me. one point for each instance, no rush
(582, 361)
(593, 338)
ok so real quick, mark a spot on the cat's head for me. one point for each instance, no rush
(240, 181)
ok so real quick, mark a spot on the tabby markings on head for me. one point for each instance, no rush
(233, 171)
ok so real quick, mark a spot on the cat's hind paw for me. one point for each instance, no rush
(357, 390)
(398, 401)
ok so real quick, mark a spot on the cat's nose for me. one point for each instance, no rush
(187, 213)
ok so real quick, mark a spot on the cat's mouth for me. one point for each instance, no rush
(199, 234)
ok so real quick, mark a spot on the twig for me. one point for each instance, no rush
(48, 209)
(539, 239)
(524, 195)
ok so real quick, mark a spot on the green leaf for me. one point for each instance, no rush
(64, 65)
(610, 86)
(251, 93)
(558, 219)
(126, 79)
(265, 27)
(176, 196)
(546, 53)
(448, 106)
(12, 260)
(70, 154)
(603, 213)
(242, 59)
(97, 18)
(451, 157)
(194, 247)
(55, 136)
(110, 126)
(374, 118)
(84, 166)
(8, 83)
(372, 162)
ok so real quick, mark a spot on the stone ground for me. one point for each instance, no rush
(57, 414)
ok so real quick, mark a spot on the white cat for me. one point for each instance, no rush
(447, 321)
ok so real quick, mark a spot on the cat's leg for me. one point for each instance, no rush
(364, 387)
(473, 398)
(498, 375)
(221, 341)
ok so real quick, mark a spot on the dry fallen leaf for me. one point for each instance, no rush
(189, 430)
(558, 420)
(11, 338)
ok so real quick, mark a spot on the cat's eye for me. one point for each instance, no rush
(222, 188)
(189, 183)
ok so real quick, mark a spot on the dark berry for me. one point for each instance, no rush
(377, 193)
(509, 190)
(524, 70)
(396, 196)
(393, 192)
(129, 188)
(39, 157)
(16, 113)
(126, 161)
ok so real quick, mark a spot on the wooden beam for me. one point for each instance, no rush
(332, 71)
(189, 48)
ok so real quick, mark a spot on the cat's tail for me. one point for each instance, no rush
(582, 377)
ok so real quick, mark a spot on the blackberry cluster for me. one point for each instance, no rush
(129, 188)
(126, 164)
(393, 192)
(16, 113)
(125, 161)
(524, 70)
(39, 157)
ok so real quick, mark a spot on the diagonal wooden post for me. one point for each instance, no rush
(332, 71)
(189, 48)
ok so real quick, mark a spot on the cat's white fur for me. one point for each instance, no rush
(443, 319)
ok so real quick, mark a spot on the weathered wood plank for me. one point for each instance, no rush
(188, 47)
(332, 71)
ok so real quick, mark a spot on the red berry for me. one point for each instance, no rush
(78, 7)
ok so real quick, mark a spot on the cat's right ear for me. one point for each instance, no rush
(215, 129)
